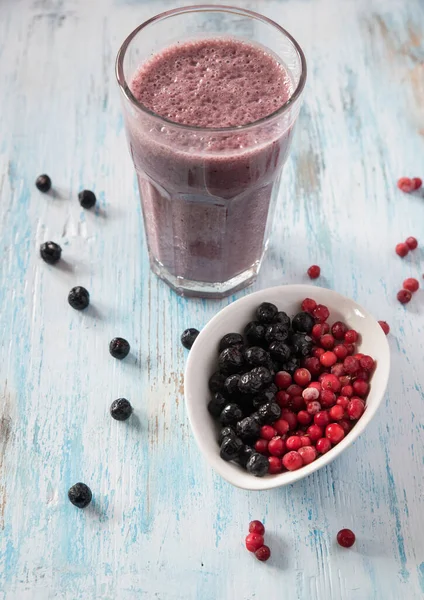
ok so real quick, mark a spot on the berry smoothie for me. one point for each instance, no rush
(208, 195)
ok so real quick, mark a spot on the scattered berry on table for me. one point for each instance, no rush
(266, 312)
(346, 538)
(79, 298)
(80, 495)
(314, 271)
(405, 184)
(121, 409)
(119, 348)
(404, 296)
(411, 242)
(87, 198)
(254, 541)
(230, 447)
(411, 284)
(385, 327)
(257, 464)
(43, 183)
(188, 337)
(50, 252)
(230, 339)
(402, 249)
(256, 527)
(417, 182)
(263, 553)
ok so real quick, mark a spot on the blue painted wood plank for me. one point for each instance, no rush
(162, 525)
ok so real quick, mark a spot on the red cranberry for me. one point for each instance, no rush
(347, 390)
(305, 440)
(323, 445)
(406, 185)
(385, 327)
(322, 419)
(282, 398)
(310, 394)
(303, 417)
(346, 425)
(293, 443)
(343, 401)
(315, 384)
(290, 417)
(318, 352)
(336, 413)
(267, 432)
(338, 370)
(361, 387)
(350, 348)
(254, 541)
(313, 365)
(351, 364)
(346, 538)
(292, 461)
(263, 553)
(274, 465)
(334, 433)
(320, 329)
(327, 341)
(402, 249)
(283, 380)
(313, 407)
(298, 403)
(261, 446)
(355, 409)
(351, 336)
(411, 284)
(302, 377)
(327, 398)
(281, 426)
(330, 382)
(417, 182)
(404, 296)
(411, 242)
(277, 446)
(340, 351)
(345, 380)
(308, 454)
(256, 527)
(367, 363)
(314, 271)
(294, 390)
(315, 432)
(338, 330)
(321, 313)
(308, 305)
(328, 359)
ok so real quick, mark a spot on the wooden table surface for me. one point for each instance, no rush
(162, 524)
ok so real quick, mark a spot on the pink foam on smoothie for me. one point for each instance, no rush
(212, 83)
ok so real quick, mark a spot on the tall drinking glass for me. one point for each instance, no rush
(208, 193)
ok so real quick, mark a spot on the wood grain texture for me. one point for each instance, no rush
(162, 525)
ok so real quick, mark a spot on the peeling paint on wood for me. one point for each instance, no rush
(162, 525)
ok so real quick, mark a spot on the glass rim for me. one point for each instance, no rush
(122, 82)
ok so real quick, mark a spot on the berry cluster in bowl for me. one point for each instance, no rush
(288, 389)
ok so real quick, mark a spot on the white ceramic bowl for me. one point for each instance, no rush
(202, 362)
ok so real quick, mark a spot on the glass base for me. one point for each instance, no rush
(200, 289)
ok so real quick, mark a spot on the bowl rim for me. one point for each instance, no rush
(287, 477)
